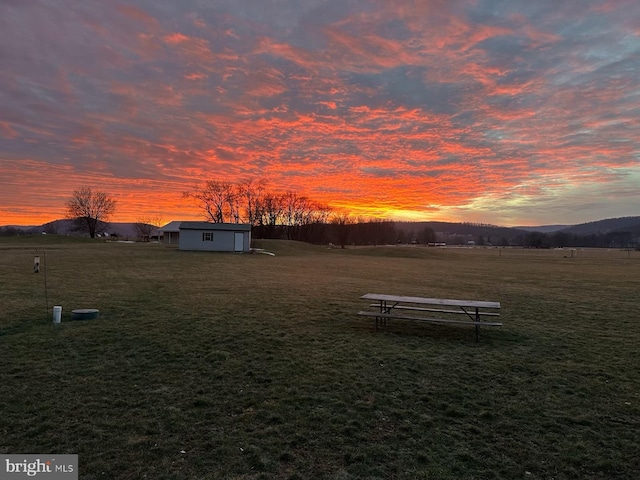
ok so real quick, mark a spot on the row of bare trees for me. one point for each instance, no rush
(286, 215)
(271, 214)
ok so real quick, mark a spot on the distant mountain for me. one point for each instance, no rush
(21, 227)
(630, 224)
(66, 227)
(544, 228)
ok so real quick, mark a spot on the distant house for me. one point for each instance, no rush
(214, 237)
(170, 233)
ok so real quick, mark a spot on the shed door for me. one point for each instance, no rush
(238, 244)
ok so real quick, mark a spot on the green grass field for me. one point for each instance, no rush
(207, 366)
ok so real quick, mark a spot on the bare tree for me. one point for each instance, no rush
(294, 208)
(343, 223)
(250, 192)
(218, 200)
(271, 214)
(428, 235)
(321, 213)
(146, 225)
(312, 218)
(90, 209)
(271, 211)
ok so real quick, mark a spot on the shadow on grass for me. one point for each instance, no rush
(23, 325)
(16, 328)
(441, 333)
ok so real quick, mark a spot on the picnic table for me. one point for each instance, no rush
(422, 309)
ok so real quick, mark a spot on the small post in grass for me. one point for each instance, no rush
(36, 269)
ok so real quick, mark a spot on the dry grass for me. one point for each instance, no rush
(257, 366)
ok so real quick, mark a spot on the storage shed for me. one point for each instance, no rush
(215, 237)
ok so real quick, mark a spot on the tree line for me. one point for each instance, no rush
(292, 216)
(250, 202)
(286, 215)
(616, 239)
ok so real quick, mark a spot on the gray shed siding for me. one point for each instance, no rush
(216, 238)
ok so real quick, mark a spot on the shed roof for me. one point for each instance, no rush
(235, 227)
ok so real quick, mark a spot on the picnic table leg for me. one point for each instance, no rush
(385, 310)
(477, 326)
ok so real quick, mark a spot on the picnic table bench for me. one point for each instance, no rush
(394, 306)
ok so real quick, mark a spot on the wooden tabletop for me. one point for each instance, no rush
(430, 301)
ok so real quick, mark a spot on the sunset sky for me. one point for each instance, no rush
(510, 112)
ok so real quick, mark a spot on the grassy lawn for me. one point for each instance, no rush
(207, 366)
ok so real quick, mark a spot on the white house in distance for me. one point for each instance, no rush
(170, 233)
(214, 237)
